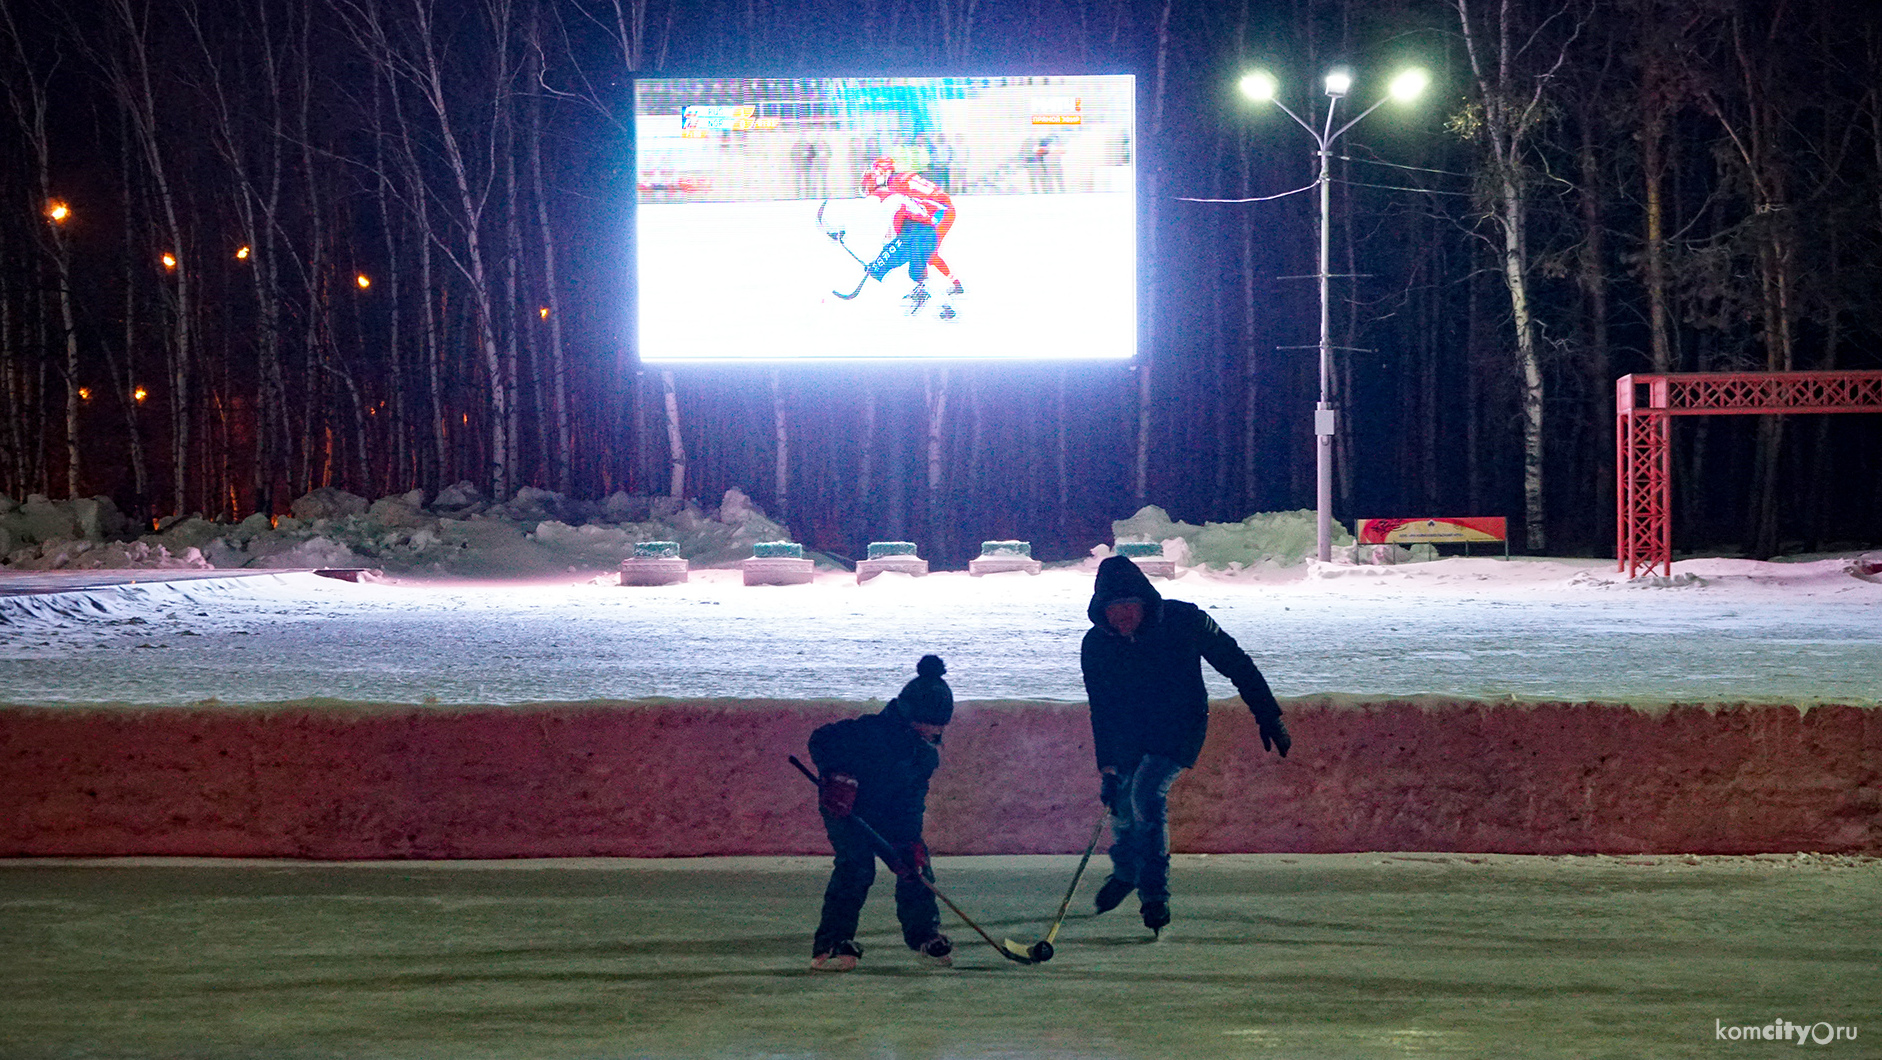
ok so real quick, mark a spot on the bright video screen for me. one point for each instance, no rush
(943, 218)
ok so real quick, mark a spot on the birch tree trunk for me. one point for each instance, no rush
(676, 444)
(404, 474)
(1755, 137)
(27, 91)
(935, 386)
(130, 75)
(866, 462)
(1511, 112)
(427, 73)
(124, 373)
(781, 469)
(1653, 175)
(257, 209)
(563, 453)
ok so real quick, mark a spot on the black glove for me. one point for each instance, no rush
(1274, 734)
(836, 796)
(910, 859)
(1110, 786)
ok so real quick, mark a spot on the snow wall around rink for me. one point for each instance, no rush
(657, 779)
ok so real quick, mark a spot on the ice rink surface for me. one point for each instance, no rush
(1718, 631)
(1352, 956)
(1287, 956)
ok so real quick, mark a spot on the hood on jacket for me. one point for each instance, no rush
(1120, 579)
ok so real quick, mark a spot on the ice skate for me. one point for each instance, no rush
(842, 957)
(1157, 916)
(947, 312)
(1112, 893)
(956, 288)
(917, 298)
(937, 952)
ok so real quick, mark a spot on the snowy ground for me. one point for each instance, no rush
(1718, 630)
(1338, 956)
(1341, 956)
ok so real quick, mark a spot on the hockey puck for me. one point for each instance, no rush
(1040, 951)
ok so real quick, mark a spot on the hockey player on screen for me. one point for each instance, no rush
(923, 215)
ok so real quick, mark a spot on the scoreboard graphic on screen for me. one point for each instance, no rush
(852, 219)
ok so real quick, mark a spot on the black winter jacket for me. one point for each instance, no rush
(891, 764)
(1146, 690)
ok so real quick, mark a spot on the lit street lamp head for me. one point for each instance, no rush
(1339, 82)
(1260, 86)
(1408, 85)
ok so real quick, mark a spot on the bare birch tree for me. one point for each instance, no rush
(27, 89)
(1512, 65)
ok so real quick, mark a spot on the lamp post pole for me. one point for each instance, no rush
(1262, 86)
(1325, 420)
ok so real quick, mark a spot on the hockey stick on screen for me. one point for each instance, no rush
(1009, 949)
(836, 236)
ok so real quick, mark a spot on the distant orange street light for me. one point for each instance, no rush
(242, 254)
(84, 393)
(140, 393)
(544, 311)
(58, 211)
(363, 280)
(169, 261)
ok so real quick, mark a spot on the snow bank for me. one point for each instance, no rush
(1263, 540)
(702, 777)
(460, 533)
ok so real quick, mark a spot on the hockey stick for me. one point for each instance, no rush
(836, 236)
(1042, 950)
(1009, 949)
(858, 289)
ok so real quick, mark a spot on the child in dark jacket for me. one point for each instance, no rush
(876, 768)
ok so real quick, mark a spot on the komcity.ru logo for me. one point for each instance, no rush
(1819, 1033)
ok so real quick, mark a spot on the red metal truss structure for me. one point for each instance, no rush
(1644, 407)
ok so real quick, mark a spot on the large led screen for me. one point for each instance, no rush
(897, 218)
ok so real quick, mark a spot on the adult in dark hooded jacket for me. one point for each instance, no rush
(1142, 660)
(876, 768)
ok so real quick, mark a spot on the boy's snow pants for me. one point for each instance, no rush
(850, 879)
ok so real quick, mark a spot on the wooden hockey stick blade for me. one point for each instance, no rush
(854, 293)
(1016, 951)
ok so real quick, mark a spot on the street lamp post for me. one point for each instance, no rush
(1263, 87)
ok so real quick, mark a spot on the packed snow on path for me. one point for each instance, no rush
(1716, 631)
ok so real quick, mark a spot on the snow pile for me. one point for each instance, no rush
(1265, 539)
(458, 533)
(43, 534)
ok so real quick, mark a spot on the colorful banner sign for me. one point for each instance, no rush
(1433, 531)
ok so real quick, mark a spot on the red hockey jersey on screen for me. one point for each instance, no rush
(924, 198)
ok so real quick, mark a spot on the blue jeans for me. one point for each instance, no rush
(850, 879)
(1140, 828)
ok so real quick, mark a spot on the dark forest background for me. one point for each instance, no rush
(1587, 189)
